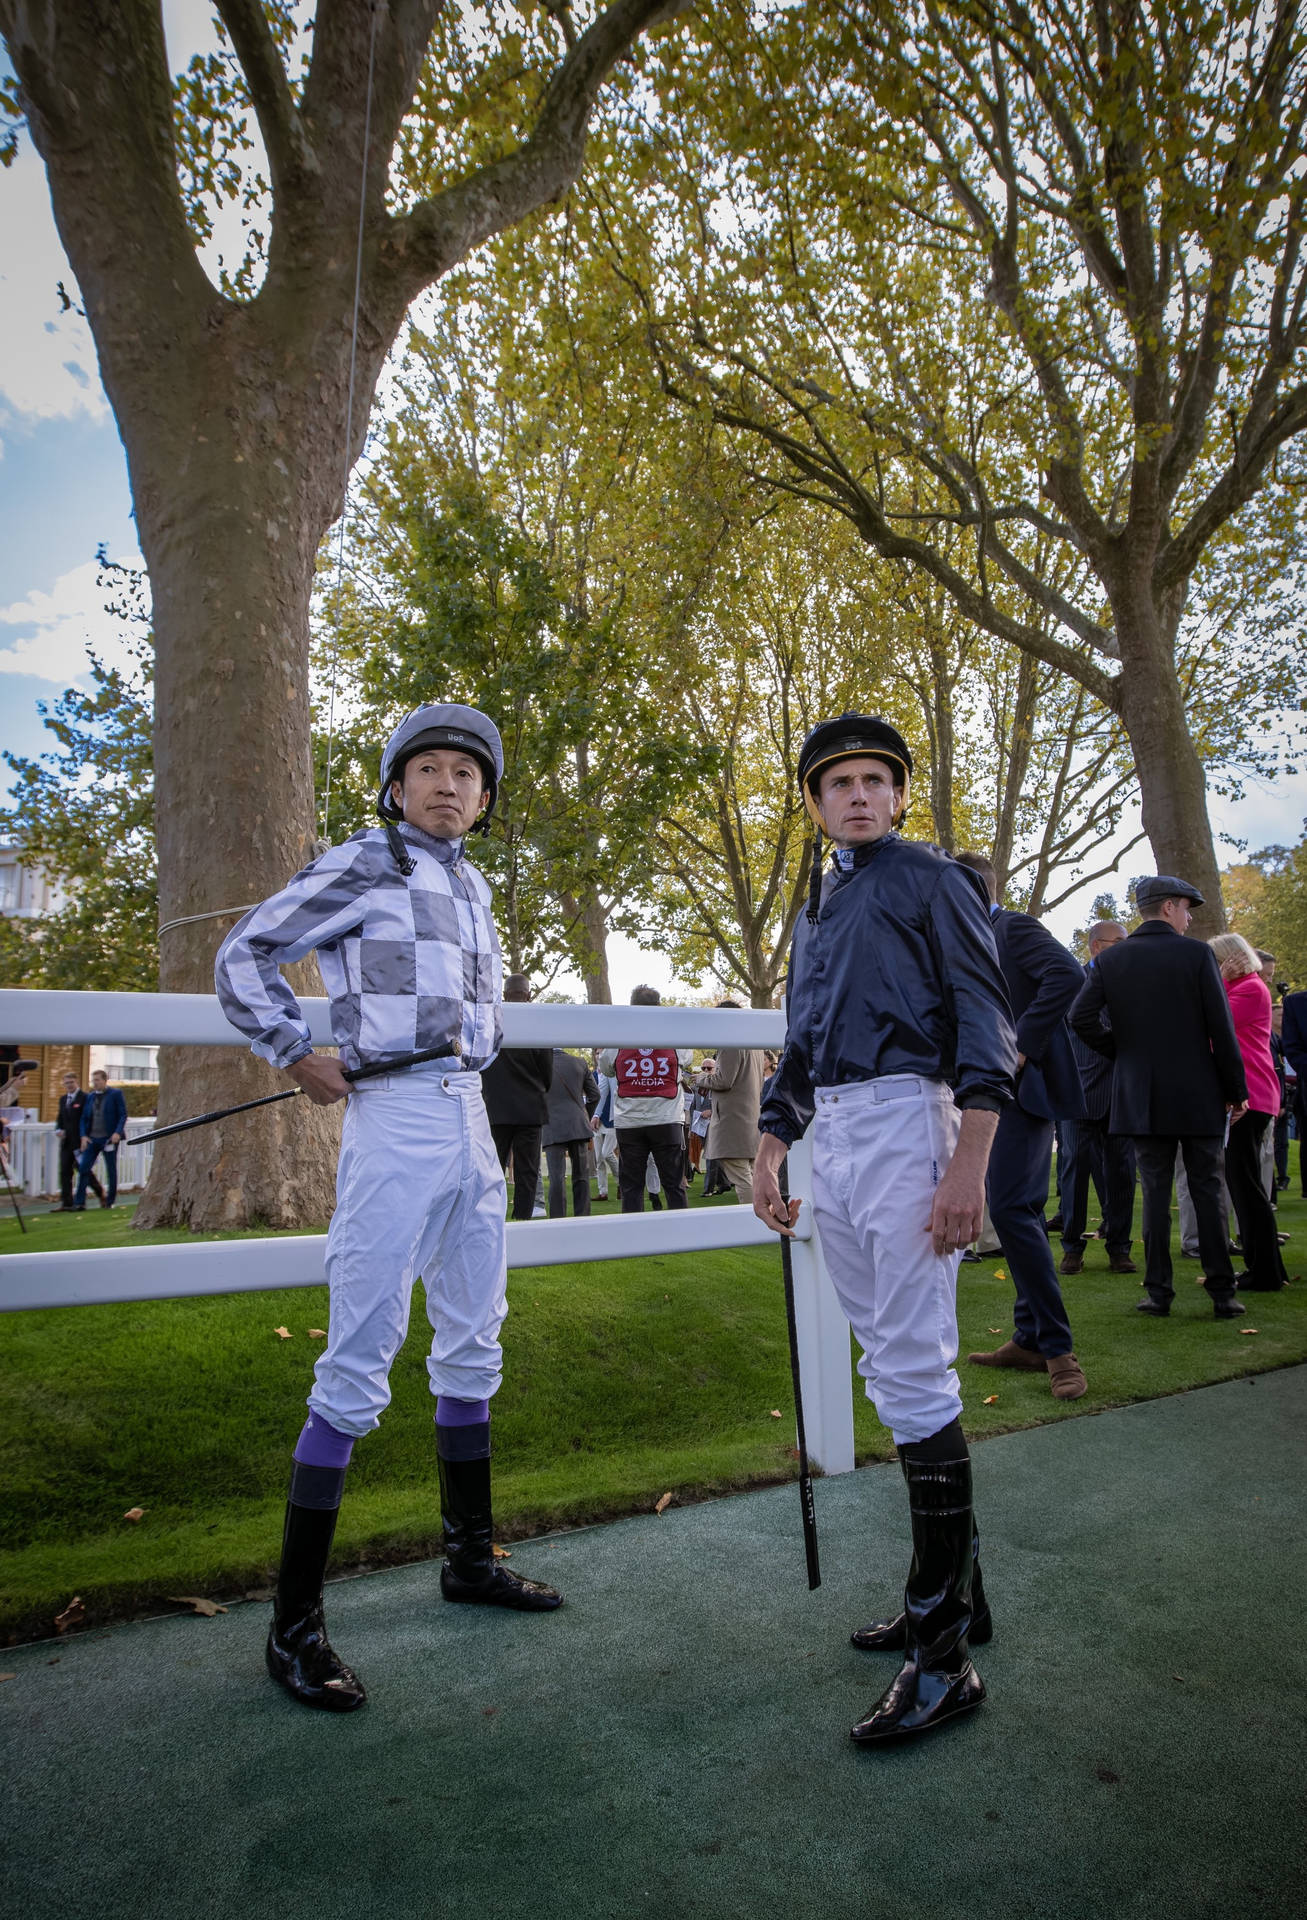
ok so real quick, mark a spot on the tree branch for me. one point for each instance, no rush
(434, 235)
(290, 154)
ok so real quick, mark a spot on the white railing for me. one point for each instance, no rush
(34, 1158)
(106, 1275)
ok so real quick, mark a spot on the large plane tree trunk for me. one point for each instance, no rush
(233, 415)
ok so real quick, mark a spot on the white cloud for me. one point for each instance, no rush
(47, 358)
(47, 634)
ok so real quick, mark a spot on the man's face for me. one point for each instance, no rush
(1100, 942)
(1177, 914)
(70, 1083)
(442, 792)
(1268, 973)
(99, 1080)
(858, 800)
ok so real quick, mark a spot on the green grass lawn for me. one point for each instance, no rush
(623, 1380)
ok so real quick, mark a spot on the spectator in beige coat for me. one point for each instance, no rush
(735, 1083)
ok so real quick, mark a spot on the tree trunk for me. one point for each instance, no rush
(1172, 785)
(230, 530)
(598, 990)
(1018, 761)
(943, 756)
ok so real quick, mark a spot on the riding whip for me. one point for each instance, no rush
(351, 1074)
(807, 1506)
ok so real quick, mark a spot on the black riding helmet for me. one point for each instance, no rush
(843, 738)
(846, 737)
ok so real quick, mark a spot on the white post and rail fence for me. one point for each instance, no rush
(88, 1277)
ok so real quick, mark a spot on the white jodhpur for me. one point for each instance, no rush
(419, 1192)
(879, 1150)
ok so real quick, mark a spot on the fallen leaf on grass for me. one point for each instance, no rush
(775, 1413)
(198, 1604)
(8, 1676)
(989, 1400)
(1247, 1330)
(993, 1329)
(72, 1616)
(999, 1274)
(662, 1505)
(134, 1513)
(501, 1553)
(282, 1333)
(317, 1333)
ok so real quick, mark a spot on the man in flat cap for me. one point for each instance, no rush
(1178, 1080)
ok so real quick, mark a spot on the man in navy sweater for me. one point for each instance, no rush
(104, 1128)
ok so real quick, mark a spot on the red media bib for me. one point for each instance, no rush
(648, 1073)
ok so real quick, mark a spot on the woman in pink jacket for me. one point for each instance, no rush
(1250, 1004)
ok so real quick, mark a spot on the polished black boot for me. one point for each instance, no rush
(470, 1571)
(937, 1681)
(299, 1654)
(891, 1636)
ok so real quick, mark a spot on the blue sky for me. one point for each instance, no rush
(64, 493)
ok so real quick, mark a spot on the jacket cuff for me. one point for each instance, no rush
(283, 1046)
(981, 1103)
(785, 1133)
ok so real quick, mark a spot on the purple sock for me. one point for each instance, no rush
(322, 1445)
(461, 1413)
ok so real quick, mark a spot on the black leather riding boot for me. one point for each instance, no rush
(299, 1654)
(937, 1680)
(470, 1571)
(891, 1636)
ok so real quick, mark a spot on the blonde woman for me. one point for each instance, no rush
(1250, 1006)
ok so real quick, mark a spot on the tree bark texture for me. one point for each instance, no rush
(234, 420)
(1172, 784)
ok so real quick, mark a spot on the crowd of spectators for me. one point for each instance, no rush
(1133, 1065)
(650, 1117)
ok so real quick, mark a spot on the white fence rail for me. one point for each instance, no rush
(34, 1157)
(102, 1276)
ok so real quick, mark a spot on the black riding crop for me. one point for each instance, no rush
(351, 1074)
(805, 1476)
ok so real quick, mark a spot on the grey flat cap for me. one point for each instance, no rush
(1165, 886)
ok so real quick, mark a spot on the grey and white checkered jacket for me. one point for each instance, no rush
(408, 964)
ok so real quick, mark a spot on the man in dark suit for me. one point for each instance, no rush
(1088, 1149)
(1293, 1040)
(573, 1100)
(515, 1088)
(1178, 1079)
(1042, 981)
(68, 1125)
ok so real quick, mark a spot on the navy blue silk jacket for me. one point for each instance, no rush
(899, 975)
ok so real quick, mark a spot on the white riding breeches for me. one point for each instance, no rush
(419, 1191)
(879, 1150)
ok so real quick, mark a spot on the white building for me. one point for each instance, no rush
(25, 892)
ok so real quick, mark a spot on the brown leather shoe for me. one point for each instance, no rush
(1010, 1355)
(1066, 1378)
(1072, 1263)
(1121, 1263)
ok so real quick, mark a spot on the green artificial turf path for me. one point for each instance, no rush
(673, 1742)
(623, 1381)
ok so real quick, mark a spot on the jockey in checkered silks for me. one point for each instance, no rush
(402, 927)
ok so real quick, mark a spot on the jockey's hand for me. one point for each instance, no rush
(322, 1077)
